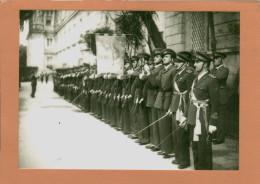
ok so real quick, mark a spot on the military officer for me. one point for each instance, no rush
(112, 100)
(140, 100)
(221, 74)
(181, 88)
(152, 91)
(125, 107)
(133, 74)
(202, 112)
(163, 101)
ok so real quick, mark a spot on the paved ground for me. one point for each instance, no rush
(54, 134)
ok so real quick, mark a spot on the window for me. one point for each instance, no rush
(49, 59)
(48, 22)
(49, 42)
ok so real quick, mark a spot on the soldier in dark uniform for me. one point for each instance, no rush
(202, 113)
(99, 95)
(140, 102)
(124, 100)
(33, 84)
(221, 74)
(118, 106)
(106, 100)
(112, 99)
(133, 74)
(163, 101)
(181, 88)
(92, 90)
(151, 96)
(102, 97)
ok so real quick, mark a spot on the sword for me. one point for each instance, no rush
(77, 97)
(205, 144)
(173, 132)
(151, 124)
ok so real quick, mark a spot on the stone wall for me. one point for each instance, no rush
(35, 51)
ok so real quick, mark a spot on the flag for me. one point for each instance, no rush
(110, 53)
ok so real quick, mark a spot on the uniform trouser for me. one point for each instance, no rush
(149, 109)
(126, 119)
(165, 127)
(113, 116)
(71, 95)
(33, 91)
(99, 108)
(87, 103)
(143, 122)
(133, 120)
(180, 143)
(202, 150)
(155, 128)
(103, 110)
(219, 135)
(119, 123)
(82, 100)
(92, 104)
(108, 110)
(66, 93)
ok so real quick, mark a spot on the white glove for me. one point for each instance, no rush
(130, 72)
(212, 129)
(183, 122)
(141, 76)
(169, 112)
(147, 68)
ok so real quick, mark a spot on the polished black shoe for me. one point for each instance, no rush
(167, 156)
(155, 149)
(217, 142)
(175, 162)
(183, 166)
(132, 136)
(143, 143)
(149, 146)
(160, 153)
(137, 141)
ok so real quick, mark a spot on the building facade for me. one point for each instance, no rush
(54, 37)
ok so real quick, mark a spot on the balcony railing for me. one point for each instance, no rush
(36, 27)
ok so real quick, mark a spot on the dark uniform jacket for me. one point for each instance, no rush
(164, 80)
(205, 89)
(183, 81)
(152, 86)
(222, 74)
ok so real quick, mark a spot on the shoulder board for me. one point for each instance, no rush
(189, 71)
(212, 76)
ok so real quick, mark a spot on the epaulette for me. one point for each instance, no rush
(212, 76)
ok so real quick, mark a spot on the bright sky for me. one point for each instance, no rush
(23, 34)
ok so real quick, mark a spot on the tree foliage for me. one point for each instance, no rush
(131, 23)
(25, 15)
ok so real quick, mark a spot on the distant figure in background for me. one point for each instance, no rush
(42, 77)
(33, 84)
(46, 77)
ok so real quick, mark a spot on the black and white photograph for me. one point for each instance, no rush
(129, 90)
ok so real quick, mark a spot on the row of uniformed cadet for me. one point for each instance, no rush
(166, 87)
